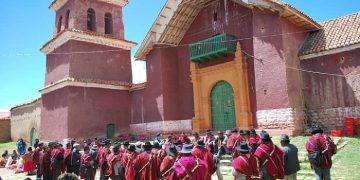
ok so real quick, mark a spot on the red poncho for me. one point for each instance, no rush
(190, 163)
(271, 157)
(127, 163)
(246, 165)
(85, 160)
(167, 170)
(327, 147)
(206, 156)
(148, 165)
(112, 160)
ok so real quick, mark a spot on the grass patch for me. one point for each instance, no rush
(10, 146)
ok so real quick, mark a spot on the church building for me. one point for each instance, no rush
(211, 64)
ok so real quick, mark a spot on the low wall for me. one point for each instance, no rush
(5, 130)
(176, 126)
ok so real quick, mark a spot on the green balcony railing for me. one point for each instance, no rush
(214, 47)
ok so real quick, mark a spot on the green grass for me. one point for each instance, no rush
(10, 146)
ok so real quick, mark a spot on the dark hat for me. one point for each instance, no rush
(147, 146)
(126, 143)
(40, 144)
(316, 129)
(132, 148)
(94, 147)
(247, 132)
(158, 134)
(156, 145)
(195, 133)
(284, 137)
(172, 150)
(265, 136)
(178, 142)
(186, 149)
(252, 131)
(208, 131)
(243, 147)
(242, 132)
(107, 142)
(116, 148)
(220, 132)
(234, 130)
(200, 143)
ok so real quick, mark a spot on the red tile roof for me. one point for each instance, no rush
(336, 33)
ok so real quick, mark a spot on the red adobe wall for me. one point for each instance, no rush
(91, 109)
(111, 65)
(78, 16)
(54, 109)
(330, 99)
(57, 65)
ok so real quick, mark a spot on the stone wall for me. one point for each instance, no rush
(177, 126)
(333, 118)
(24, 118)
(4, 130)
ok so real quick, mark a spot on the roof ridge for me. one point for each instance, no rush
(339, 18)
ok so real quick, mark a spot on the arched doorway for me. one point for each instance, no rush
(222, 106)
(33, 136)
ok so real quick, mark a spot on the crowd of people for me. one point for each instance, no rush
(254, 156)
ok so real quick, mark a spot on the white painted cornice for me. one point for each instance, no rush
(90, 37)
(57, 4)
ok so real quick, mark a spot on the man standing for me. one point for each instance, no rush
(21, 146)
(245, 166)
(45, 162)
(127, 162)
(167, 166)
(147, 164)
(57, 158)
(67, 159)
(320, 148)
(104, 152)
(254, 140)
(114, 164)
(189, 167)
(75, 159)
(204, 154)
(270, 158)
(36, 158)
(86, 165)
(233, 141)
(95, 157)
(291, 161)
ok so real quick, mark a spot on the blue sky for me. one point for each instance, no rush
(27, 25)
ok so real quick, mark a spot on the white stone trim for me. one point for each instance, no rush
(63, 84)
(85, 37)
(57, 4)
(331, 51)
(162, 126)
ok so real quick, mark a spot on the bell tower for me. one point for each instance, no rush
(88, 71)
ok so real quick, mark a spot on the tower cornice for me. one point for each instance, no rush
(84, 36)
(57, 4)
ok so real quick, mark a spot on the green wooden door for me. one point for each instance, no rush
(222, 107)
(110, 131)
(33, 136)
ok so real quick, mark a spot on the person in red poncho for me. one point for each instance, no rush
(57, 158)
(254, 141)
(103, 154)
(189, 167)
(86, 165)
(147, 164)
(167, 170)
(114, 164)
(270, 158)
(45, 162)
(36, 159)
(127, 162)
(67, 159)
(232, 141)
(185, 139)
(204, 154)
(320, 145)
(245, 165)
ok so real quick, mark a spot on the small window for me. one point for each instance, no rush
(67, 19)
(59, 24)
(91, 20)
(108, 23)
(215, 17)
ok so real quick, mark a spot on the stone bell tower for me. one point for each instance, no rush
(88, 71)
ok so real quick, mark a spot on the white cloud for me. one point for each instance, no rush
(138, 70)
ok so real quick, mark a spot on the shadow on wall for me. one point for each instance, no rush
(329, 99)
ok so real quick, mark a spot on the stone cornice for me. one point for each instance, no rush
(137, 87)
(57, 4)
(90, 37)
(114, 85)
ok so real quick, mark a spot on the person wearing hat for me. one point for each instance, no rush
(147, 164)
(254, 140)
(114, 168)
(321, 149)
(209, 139)
(291, 160)
(195, 138)
(103, 154)
(75, 159)
(184, 138)
(45, 161)
(233, 141)
(220, 144)
(67, 159)
(36, 158)
(124, 147)
(157, 138)
(94, 155)
(86, 165)
(270, 158)
(245, 165)
(204, 154)
(189, 166)
(166, 168)
(57, 158)
(127, 162)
